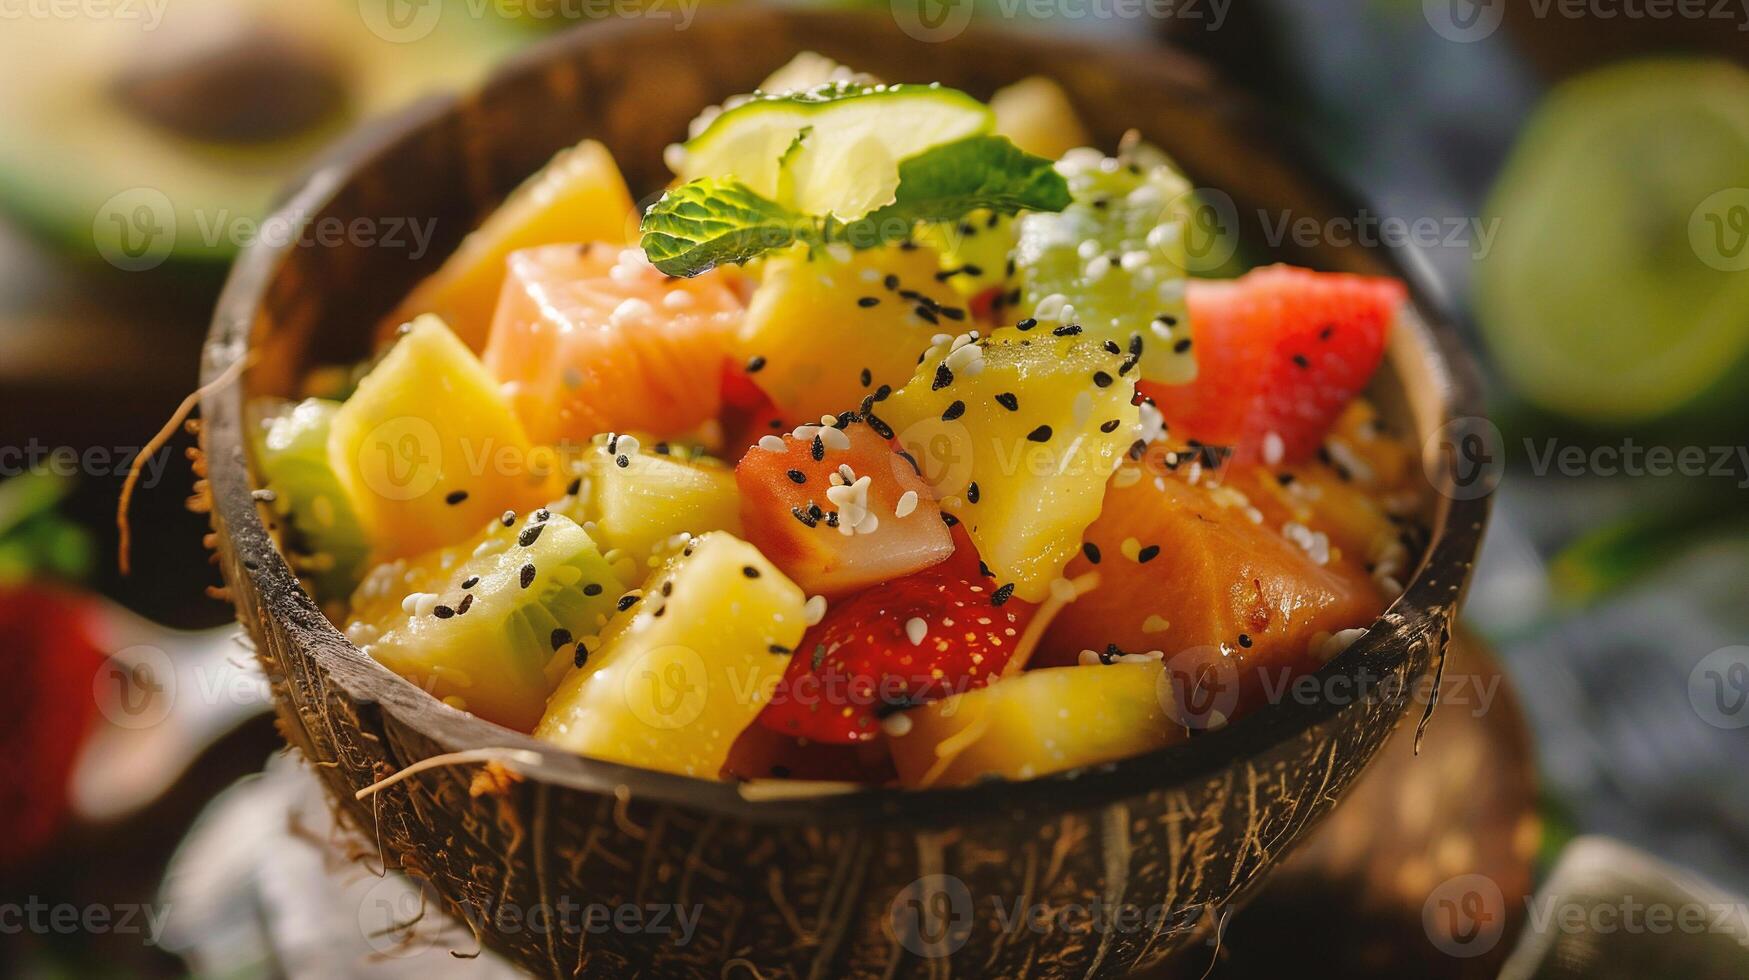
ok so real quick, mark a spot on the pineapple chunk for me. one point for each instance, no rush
(812, 331)
(578, 196)
(1035, 723)
(680, 673)
(1017, 435)
(656, 495)
(1036, 114)
(427, 448)
(489, 625)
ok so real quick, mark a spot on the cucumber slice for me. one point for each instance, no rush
(834, 149)
(1614, 291)
(490, 625)
(1114, 260)
(328, 547)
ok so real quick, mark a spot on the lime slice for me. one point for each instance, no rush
(1114, 260)
(1617, 287)
(834, 149)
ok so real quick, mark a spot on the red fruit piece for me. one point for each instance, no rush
(798, 508)
(1279, 351)
(870, 656)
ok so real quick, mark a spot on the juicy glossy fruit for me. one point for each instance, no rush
(659, 492)
(1036, 114)
(1615, 291)
(591, 339)
(834, 149)
(427, 448)
(490, 625)
(974, 251)
(799, 510)
(291, 452)
(761, 753)
(811, 330)
(911, 641)
(682, 671)
(1017, 435)
(1185, 568)
(1036, 723)
(1114, 260)
(579, 196)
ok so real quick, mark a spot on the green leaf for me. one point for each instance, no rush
(715, 220)
(950, 181)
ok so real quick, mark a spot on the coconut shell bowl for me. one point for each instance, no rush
(1142, 855)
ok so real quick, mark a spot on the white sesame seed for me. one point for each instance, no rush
(915, 630)
(1272, 448)
(897, 726)
(773, 444)
(907, 504)
(814, 609)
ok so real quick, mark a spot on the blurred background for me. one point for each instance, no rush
(1573, 176)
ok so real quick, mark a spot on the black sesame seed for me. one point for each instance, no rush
(952, 312)
(749, 571)
(622, 461)
(984, 569)
(1301, 361)
(508, 518)
(1040, 434)
(779, 649)
(818, 449)
(466, 604)
(561, 638)
(1002, 594)
(1326, 333)
(883, 429)
(527, 575)
(470, 581)
(1091, 550)
(953, 411)
(867, 301)
(1111, 426)
(1102, 379)
(1148, 554)
(891, 281)
(754, 363)
(1245, 640)
(1168, 319)
(1008, 400)
(581, 657)
(943, 377)
(867, 377)
(797, 476)
(803, 516)
(541, 516)
(575, 487)
(1067, 330)
(530, 535)
(455, 497)
(927, 315)
(883, 393)
(443, 612)
(1181, 346)
(949, 519)
(1026, 324)
(832, 519)
(972, 492)
(592, 589)
(1135, 345)
(1111, 347)
(626, 602)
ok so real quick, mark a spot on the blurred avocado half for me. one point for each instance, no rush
(160, 131)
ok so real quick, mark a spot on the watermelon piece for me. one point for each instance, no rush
(1280, 352)
(590, 338)
(834, 536)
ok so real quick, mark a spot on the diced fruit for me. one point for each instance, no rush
(1036, 114)
(1185, 568)
(492, 624)
(1114, 260)
(291, 443)
(912, 641)
(835, 531)
(686, 666)
(1035, 723)
(579, 196)
(427, 448)
(640, 497)
(820, 324)
(834, 149)
(1281, 351)
(974, 251)
(1017, 435)
(591, 339)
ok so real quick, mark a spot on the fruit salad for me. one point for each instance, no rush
(895, 444)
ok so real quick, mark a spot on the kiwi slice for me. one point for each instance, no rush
(636, 497)
(490, 625)
(326, 545)
(1617, 288)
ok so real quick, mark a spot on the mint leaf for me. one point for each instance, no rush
(950, 181)
(715, 220)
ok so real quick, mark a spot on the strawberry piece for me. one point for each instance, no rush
(1280, 352)
(796, 510)
(860, 663)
